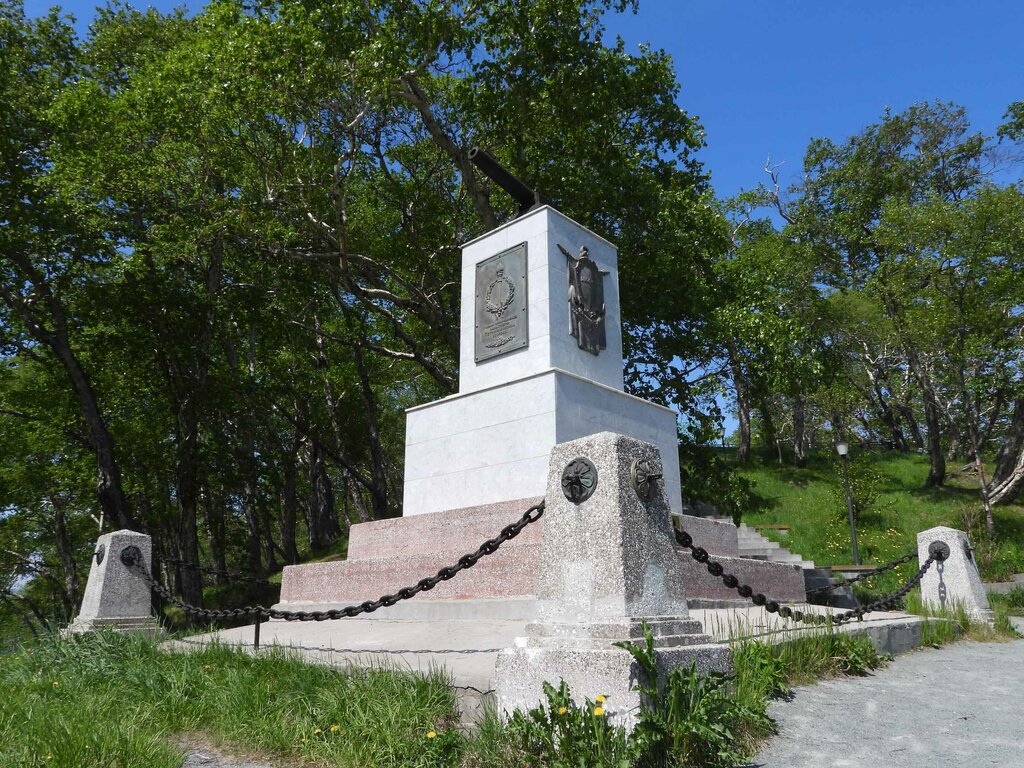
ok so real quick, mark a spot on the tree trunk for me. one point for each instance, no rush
(742, 404)
(379, 491)
(799, 405)
(213, 514)
(907, 414)
(187, 492)
(69, 568)
(768, 432)
(290, 505)
(932, 421)
(323, 518)
(1007, 481)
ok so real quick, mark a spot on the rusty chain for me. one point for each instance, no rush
(866, 574)
(746, 591)
(489, 547)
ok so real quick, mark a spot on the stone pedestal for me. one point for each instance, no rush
(115, 596)
(955, 581)
(607, 565)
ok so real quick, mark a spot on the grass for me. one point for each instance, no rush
(114, 700)
(810, 502)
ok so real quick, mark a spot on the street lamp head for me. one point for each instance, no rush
(843, 448)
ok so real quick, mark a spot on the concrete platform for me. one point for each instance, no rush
(466, 650)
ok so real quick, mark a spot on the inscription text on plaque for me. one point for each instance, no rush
(501, 304)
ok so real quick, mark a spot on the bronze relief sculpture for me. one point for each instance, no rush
(586, 301)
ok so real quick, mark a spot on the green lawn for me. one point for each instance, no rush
(809, 501)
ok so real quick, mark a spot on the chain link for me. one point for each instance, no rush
(865, 575)
(746, 591)
(232, 578)
(489, 547)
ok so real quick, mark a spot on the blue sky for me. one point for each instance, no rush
(766, 77)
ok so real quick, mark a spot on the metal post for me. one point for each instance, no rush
(256, 632)
(849, 509)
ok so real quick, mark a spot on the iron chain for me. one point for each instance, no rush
(866, 574)
(489, 547)
(745, 590)
(232, 578)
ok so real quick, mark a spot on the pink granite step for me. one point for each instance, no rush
(509, 572)
(457, 529)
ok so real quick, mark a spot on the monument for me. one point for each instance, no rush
(540, 364)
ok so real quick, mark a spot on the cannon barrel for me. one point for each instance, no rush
(491, 168)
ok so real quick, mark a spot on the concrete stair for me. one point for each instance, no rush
(754, 546)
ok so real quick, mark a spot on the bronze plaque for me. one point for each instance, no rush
(501, 302)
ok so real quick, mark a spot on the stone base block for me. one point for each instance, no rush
(385, 555)
(955, 582)
(146, 625)
(589, 672)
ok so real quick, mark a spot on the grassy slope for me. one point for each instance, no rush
(805, 500)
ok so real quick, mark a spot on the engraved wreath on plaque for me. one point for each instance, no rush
(501, 308)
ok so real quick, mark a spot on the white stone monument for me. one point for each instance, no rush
(115, 596)
(608, 564)
(956, 580)
(540, 364)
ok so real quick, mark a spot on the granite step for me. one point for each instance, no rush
(457, 529)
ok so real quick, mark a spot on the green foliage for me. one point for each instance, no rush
(709, 477)
(563, 734)
(760, 673)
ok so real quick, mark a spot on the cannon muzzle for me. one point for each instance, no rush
(522, 194)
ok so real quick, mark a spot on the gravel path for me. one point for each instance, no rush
(961, 705)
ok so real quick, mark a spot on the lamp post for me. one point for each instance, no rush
(843, 448)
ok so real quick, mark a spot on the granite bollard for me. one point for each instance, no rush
(116, 597)
(607, 566)
(956, 580)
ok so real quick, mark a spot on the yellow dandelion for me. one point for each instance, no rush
(601, 699)
(431, 735)
(56, 683)
(562, 710)
(318, 730)
(335, 728)
(599, 711)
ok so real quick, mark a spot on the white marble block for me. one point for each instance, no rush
(955, 581)
(115, 596)
(493, 445)
(550, 345)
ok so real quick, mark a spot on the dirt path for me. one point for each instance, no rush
(962, 705)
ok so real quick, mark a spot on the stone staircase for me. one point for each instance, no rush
(755, 546)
